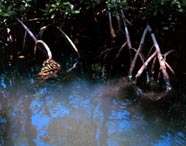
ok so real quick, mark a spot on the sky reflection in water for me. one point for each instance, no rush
(79, 113)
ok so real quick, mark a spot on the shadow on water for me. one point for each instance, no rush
(81, 113)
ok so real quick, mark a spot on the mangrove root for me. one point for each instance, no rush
(50, 67)
(70, 42)
(157, 54)
(49, 70)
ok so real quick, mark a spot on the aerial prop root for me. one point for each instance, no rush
(154, 57)
(70, 42)
(50, 67)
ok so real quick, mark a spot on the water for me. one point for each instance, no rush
(81, 112)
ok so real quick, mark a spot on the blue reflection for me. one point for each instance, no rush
(2, 82)
(58, 111)
(180, 138)
(98, 116)
(43, 90)
(3, 120)
(74, 101)
(122, 120)
(166, 140)
(58, 115)
(98, 136)
(172, 139)
(40, 120)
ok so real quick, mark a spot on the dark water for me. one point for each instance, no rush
(81, 112)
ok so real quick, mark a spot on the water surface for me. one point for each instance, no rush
(80, 112)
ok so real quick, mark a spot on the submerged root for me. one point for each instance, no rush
(153, 91)
(49, 70)
(153, 96)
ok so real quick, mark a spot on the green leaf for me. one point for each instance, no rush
(75, 12)
(71, 6)
(52, 17)
(53, 5)
(51, 10)
(9, 8)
